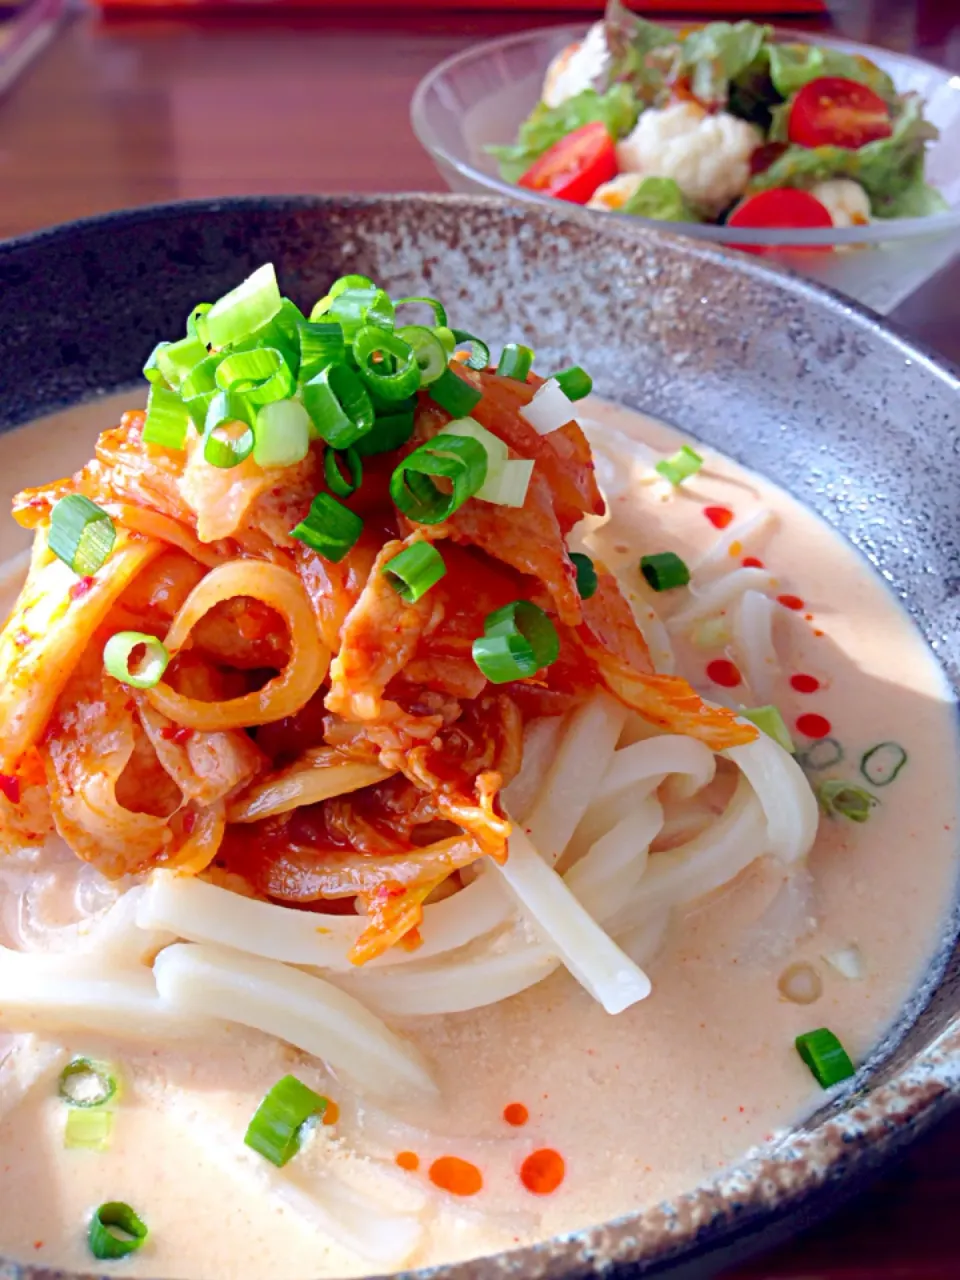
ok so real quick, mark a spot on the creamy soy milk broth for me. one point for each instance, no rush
(640, 1106)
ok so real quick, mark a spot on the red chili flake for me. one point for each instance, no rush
(751, 562)
(719, 517)
(791, 602)
(81, 587)
(177, 733)
(818, 634)
(516, 1114)
(813, 726)
(543, 1171)
(189, 822)
(10, 787)
(724, 673)
(804, 683)
(408, 1160)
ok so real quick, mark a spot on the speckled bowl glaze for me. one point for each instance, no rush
(795, 382)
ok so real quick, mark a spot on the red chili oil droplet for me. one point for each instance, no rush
(751, 562)
(542, 1172)
(724, 673)
(10, 787)
(408, 1160)
(791, 602)
(813, 726)
(804, 683)
(516, 1114)
(459, 1177)
(332, 1113)
(81, 588)
(719, 517)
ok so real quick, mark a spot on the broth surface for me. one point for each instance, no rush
(640, 1107)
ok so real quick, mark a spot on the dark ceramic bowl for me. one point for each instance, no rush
(802, 386)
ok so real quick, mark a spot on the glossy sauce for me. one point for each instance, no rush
(617, 1112)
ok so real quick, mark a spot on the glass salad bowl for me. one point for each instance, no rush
(479, 97)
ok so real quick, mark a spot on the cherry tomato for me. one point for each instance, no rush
(575, 166)
(836, 112)
(780, 207)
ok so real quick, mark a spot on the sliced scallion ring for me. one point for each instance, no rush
(454, 394)
(587, 581)
(479, 356)
(261, 375)
(338, 405)
(457, 458)
(275, 1132)
(85, 1083)
(329, 528)
(679, 466)
(575, 383)
(87, 1130)
(118, 651)
(439, 314)
(825, 1056)
(518, 641)
(845, 799)
(664, 571)
(281, 434)
(881, 764)
(115, 1231)
(357, 306)
(769, 721)
(81, 533)
(823, 754)
(167, 420)
(445, 336)
(196, 322)
(386, 363)
(415, 570)
(390, 431)
(151, 370)
(176, 359)
(249, 306)
(321, 344)
(428, 351)
(336, 481)
(515, 361)
(228, 437)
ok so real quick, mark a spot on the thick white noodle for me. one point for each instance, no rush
(357, 1222)
(652, 627)
(616, 448)
(303, 1010)
(585, 751)
(568, 930)
(613, 865)
(59, 992)
(720, 595)
(753, 644)
(784, 793)
(540, 739)
(747, 533)
(30, 1062)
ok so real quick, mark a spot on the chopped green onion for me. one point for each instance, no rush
(446, 338)
(515, 361)
(453, 394)
(769, 721)
(386, 363)
(151, 370)
(329, 528)
(85, 1083)
(275, 1132)
(103, 1237)
(846, 799)
(356, 307)
(389, 432)
(496, 451)
(575, 383)
(321, 344)
(518, 641)
(338, 405)
(281, 434)
(336, 482)
(198, 389)
(825, 1056)
(428, 351)
(81, 533)
(508, 485)
(168, 418)
(261, 375)
(228, 448)
(439, 314)
(196, 324)
(479, 356)
(680, 465)
(247, 307)
(664, 571)
(87, 1130)
(881, 764)
(823, 754)
(415, 570)
(176, 359)
(117, 653)
(587, 582)
(457, 458)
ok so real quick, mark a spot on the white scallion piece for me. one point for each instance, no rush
(550, 409)
(848, 962)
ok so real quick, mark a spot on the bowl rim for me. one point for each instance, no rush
(768, 1194)
(882, 231)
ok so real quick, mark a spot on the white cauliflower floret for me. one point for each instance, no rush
(708, 156)
(616, 193)
(845, 200)
(577, 67)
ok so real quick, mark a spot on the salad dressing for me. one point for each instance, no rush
(553, 1115)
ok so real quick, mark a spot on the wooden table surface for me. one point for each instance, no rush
(133, 112)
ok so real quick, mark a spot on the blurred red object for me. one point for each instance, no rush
(717, 8)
